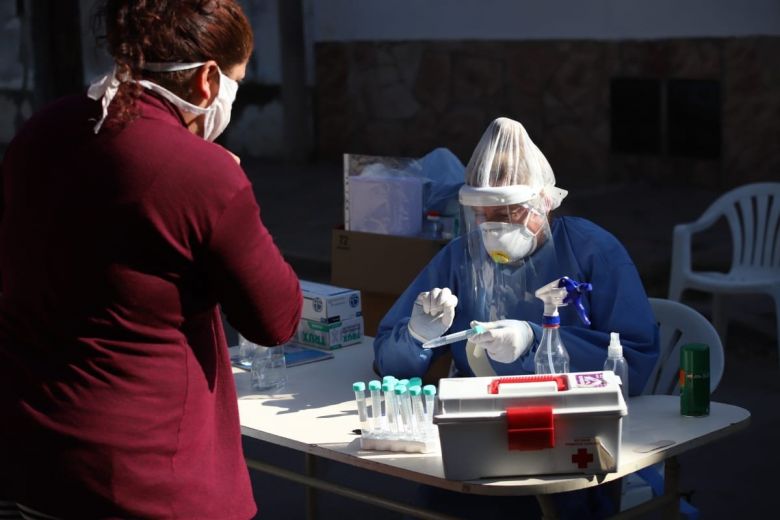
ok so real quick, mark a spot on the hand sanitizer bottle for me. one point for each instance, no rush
(617, 363)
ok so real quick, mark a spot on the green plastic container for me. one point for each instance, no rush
(695, 380)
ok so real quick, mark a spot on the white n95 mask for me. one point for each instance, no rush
(507, 243)
(216, 115)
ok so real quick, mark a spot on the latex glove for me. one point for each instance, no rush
(432, 314)
(504, 340)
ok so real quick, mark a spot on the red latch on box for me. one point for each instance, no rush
(560, 380)
(530, 428)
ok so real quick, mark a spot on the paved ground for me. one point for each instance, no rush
(735, 477)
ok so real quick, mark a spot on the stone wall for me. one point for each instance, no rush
(406, 98)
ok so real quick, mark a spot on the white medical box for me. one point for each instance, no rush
(530, 425)
(330, 336)
(329, 304)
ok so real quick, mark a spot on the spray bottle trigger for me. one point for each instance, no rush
(575, 291)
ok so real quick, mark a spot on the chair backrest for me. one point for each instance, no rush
(679, 325)
(753, 213)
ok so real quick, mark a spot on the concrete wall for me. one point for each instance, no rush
(257, 119)
(399, 20)
(407, 98)
(402, 78)
(386, 56)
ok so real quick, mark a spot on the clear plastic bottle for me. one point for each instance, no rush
(432, 227)
(246, 351)
(551, 356)
(617, 363)
(269, 369)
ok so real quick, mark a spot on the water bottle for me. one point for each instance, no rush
(269, 370)
(617, 363)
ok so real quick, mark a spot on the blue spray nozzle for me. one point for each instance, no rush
(560, 292)
(574, 292)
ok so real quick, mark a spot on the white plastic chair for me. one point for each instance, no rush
(678, 325)
(753, 216)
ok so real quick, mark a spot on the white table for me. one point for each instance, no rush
(316, 414)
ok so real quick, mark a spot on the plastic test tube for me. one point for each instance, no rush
(406, 411)
(429, 391)
(376, 405)
(417, 409)
(388, 388)
(360, 398)
(415, 381)
(455, 336)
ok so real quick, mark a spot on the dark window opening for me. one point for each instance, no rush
(676, 117)
(635, 106)
(693, 109)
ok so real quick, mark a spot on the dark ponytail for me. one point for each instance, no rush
(140, 31)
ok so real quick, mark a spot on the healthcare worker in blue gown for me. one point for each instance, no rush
(510, 248)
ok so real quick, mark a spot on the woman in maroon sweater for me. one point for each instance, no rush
(123, 228)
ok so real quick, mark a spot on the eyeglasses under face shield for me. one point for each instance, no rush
(517, 204)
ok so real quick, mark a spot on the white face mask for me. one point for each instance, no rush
(217, 115)
(507, 243)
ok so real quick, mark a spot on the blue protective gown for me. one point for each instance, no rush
(580, 250)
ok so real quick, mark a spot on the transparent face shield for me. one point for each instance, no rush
(506, 227)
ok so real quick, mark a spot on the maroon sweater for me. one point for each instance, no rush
(116, 392)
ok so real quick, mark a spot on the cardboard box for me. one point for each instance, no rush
(380, 266)
(330, 336)
(528, 426)
(328, 303)
(379, 263)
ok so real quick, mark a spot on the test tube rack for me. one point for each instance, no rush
(397, 416)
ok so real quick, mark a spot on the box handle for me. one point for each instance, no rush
(530, 428)
(561, 380)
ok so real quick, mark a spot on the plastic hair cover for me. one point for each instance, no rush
(509, 193)
(506, 156)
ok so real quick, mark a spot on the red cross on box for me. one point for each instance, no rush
(582, 458)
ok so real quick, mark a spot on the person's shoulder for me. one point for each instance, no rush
(52, 117)
(582, 228)
(455, 247)
(191, 160)
(588, 238)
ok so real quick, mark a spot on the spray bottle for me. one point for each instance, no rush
(551, 356)
(617, 363)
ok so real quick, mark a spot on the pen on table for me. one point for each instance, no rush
(455, 336)
(360, 399)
